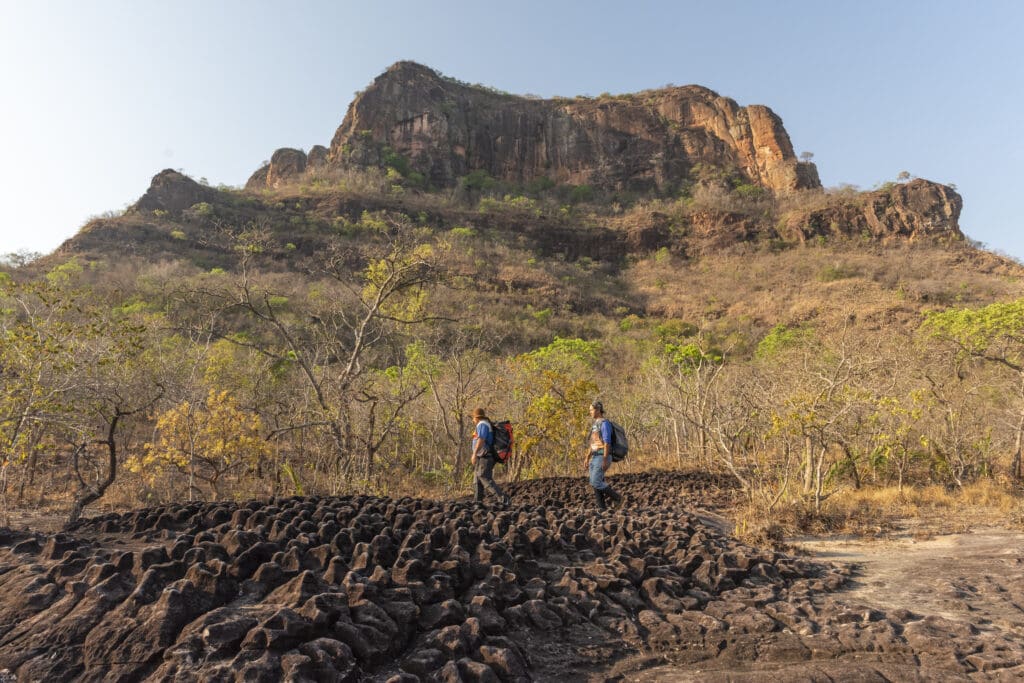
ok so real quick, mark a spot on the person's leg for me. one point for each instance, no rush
(477, 481)
(597, 480)
(487, 478)
(597, 473)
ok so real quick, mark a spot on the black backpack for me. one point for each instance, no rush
(503, 440)
(620, 442)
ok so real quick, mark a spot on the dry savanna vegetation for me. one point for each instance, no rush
(333, 336)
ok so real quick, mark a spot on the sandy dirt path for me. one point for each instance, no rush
(976, 577)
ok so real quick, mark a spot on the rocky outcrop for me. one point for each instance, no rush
(317, 157)
(359, 588)
(912, 210)
(285, 165)
(173, 192)
(642, 142)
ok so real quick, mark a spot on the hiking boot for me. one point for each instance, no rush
(599, 497)
(614, 496)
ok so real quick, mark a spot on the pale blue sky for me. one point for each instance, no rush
(99, 96)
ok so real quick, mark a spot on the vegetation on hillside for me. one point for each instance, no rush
(335, 336)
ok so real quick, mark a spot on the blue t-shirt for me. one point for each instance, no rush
(483, 431)
(604, 428)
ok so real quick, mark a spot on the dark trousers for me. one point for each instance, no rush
(483, 477)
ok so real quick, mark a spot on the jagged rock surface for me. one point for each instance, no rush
(364, 588)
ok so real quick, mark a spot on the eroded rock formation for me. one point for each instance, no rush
(644, 142)
(912, 210)
(364, 588)
(173, 192)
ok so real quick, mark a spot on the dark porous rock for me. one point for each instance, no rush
(403, 677)
(324, 659)
(505, 662)
(355, 587)
(296, 592)
(476, 672)
(442, 614)
(422, 662)
(449, 673)
(29, 546)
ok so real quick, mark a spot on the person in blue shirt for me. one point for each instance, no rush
(484, 457)
(599, 456)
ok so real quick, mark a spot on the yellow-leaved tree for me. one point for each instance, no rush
(206, 442)
(553, 386)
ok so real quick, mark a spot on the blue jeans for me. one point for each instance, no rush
(596, 473)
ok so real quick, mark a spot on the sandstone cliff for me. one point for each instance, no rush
(644, 142)
(913, 210)
(652, 142)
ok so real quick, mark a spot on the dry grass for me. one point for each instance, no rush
(922, 510)
(880, 286)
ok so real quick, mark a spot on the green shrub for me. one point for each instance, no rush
(539, 185)
(781, 337)
(542, 316)
(478, 181)
(203, 209)
(749, 191)
(674, 330)
(395, 161)
(580, 194)
(462, 232)
(836, 271)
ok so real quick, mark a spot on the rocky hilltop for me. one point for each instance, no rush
(717, 176)
(644, 142)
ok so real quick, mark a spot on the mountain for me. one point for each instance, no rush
(653, 197)
(739, 314)
(642, 142)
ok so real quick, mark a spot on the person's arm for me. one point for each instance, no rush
(476, 445)
(588, 454)
(482, 429)
(606, 439)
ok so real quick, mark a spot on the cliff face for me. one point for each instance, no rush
(648, 142)
(913, 210)
(643, 142)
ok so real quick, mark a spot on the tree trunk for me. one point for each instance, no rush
(808, 466)
(675, 434)
(89, 494)
(819, 479)
(1015, 465)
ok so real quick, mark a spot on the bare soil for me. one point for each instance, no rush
(975, 577)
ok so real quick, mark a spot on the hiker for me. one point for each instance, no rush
(484, 457)
(599, 456)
